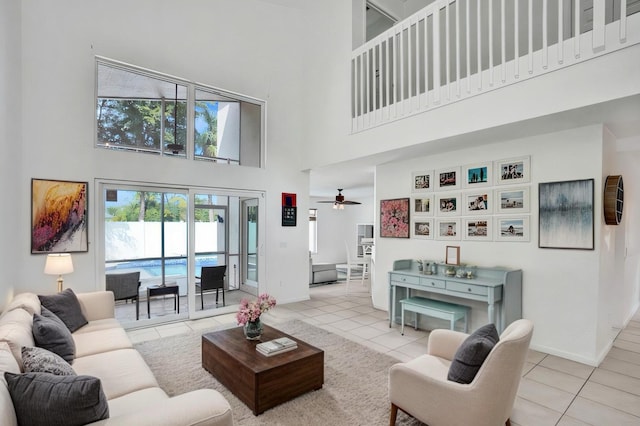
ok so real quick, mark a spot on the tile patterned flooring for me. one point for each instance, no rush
(553, 390)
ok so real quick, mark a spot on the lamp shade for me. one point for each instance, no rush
(58, 264)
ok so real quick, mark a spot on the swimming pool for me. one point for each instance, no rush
(150, 268)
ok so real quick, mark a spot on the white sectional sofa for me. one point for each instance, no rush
(103, 350)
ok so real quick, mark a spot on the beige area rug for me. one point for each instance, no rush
(354, 391)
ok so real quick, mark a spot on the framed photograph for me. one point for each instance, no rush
(448, 204)
(477, 175)
(512, 228)
(422, 228)
(394, 218)
(566, 217)
(448, 229)
(452, 255)
(512, 200)
(477, 202)
(422, 205)
(422, 181)
(59, 216)
(448, 179)
(513, 171)
(477, 229)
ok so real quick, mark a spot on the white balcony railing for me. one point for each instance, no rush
(454, 49)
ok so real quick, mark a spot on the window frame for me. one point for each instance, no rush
(191, 88)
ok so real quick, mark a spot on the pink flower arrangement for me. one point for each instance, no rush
(251, 311)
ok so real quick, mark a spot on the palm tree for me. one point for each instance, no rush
(207, 141)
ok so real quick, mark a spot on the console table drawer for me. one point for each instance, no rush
(430, 282)
(405, 279)
(467, 288)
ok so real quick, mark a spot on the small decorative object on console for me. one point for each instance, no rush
(249, 315)
(452, 255)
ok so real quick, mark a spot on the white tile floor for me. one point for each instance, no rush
(553, 391)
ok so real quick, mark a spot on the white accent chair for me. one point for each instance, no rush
(420, 387)
(361, 264)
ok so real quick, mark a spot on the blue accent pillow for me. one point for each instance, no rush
(50, 333)
(472, 353)
(66, 306)
(43, 399)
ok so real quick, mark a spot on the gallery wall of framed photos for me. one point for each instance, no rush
(485, 201)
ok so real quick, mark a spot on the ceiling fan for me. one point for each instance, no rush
(339, 202)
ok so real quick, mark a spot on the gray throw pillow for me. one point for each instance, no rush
(472, 353)
(66, 306)
(50, 333)
(40, 360)
(43, 399)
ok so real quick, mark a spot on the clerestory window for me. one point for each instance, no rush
(143, 111)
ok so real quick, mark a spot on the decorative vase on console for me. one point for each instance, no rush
(249, 315)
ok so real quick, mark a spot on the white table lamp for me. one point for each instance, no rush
(58, 264)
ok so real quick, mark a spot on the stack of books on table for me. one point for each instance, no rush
(276, 346)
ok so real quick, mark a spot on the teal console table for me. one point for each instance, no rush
(499, 288)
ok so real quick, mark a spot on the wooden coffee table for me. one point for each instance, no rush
(259, 381)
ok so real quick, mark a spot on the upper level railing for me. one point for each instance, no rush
(455, 49)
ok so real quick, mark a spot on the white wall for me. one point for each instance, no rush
(401, 9)
(337, 226)
(10, 142)
(562, 289)
(628, 286)
(264, 58)
(412, 6)
(611, 274)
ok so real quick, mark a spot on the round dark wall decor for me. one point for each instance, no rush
(613, 200)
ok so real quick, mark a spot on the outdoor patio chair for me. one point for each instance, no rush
(125, 287)
(211, 278)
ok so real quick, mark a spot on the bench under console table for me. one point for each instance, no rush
(499, 288)
(434, 308)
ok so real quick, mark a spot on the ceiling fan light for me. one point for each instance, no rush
(339, 201)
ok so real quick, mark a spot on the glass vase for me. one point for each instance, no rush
(253, 330)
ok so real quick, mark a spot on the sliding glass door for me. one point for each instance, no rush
(145, 233)
(250, 245)
(165, 237)
(211, 248)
